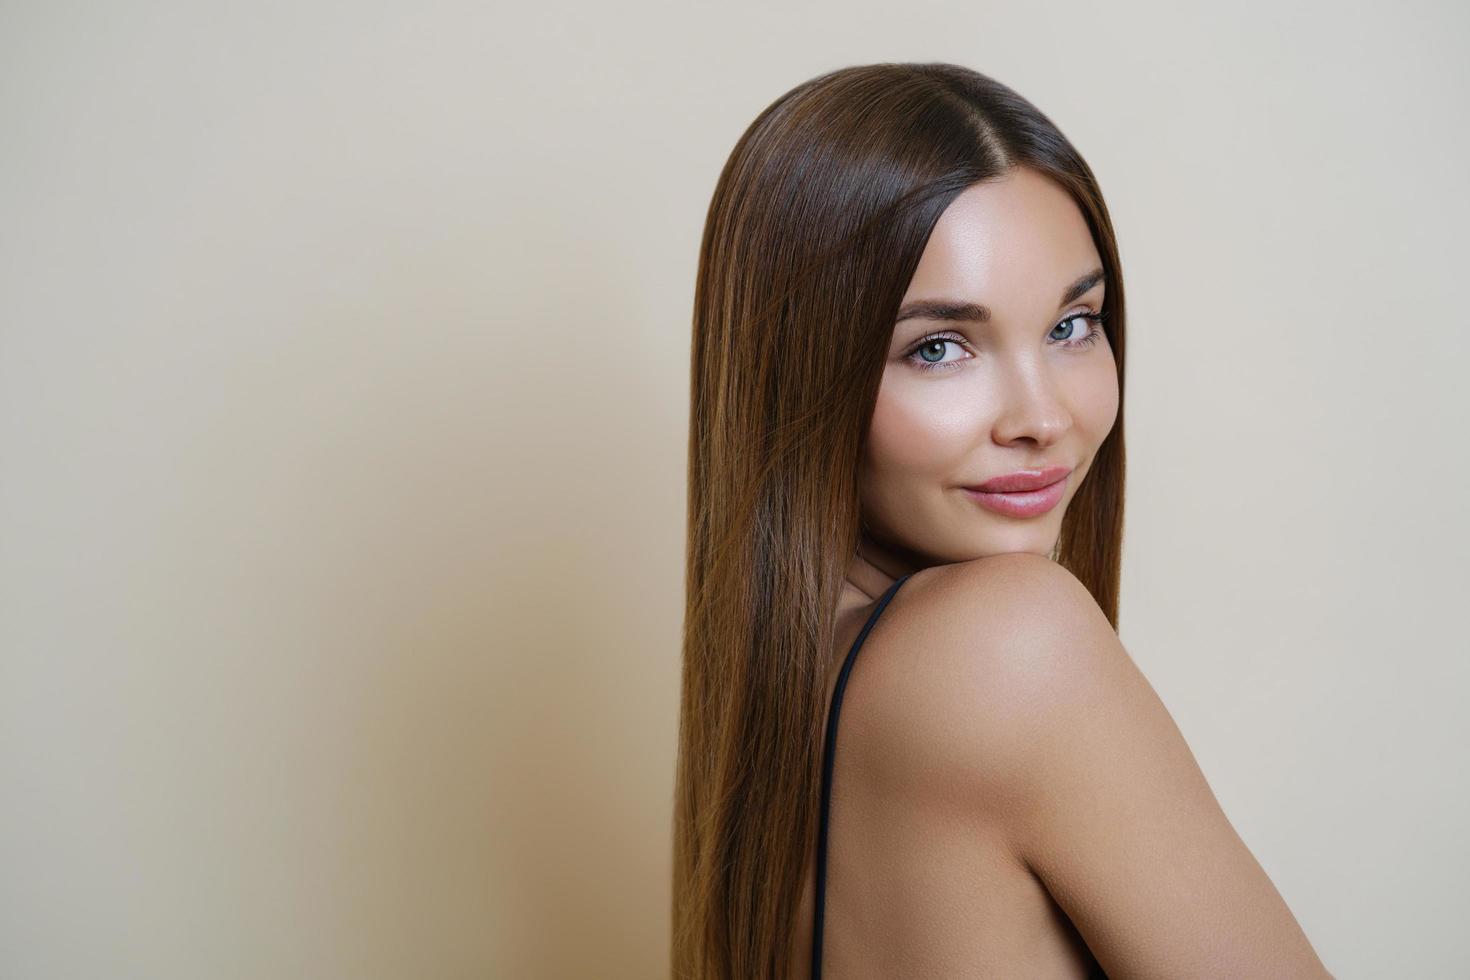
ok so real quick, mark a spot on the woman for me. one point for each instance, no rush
(906, 439)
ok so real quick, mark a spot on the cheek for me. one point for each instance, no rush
(914, 436)
(918, 444)
(1096, 400)
(921, 443)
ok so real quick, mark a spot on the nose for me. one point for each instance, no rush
(1032, 408)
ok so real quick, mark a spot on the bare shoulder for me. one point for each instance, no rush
(1027, 599)
(979, 657)
(1008, 700)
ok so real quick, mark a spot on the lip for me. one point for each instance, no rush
(1023, 494)
(1023, 480)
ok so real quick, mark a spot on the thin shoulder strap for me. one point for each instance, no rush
(829, 748)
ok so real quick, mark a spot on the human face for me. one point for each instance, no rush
(1023, 390)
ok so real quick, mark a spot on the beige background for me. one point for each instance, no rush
(343, 393)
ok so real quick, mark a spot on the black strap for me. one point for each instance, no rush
(828, 750)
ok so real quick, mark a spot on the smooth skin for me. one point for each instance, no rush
(1009, 792)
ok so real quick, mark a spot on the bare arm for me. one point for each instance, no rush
(1061, 740)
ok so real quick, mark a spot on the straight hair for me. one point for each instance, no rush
(815, 228)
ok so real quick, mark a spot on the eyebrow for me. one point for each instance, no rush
(957, 310)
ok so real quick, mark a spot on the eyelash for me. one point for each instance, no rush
(1092, 337)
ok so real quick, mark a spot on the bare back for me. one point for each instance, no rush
(911, 890)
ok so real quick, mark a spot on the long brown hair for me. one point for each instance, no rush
(813, 234)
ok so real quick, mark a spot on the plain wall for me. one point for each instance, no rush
(343, 405)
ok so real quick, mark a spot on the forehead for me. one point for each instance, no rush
(1017, 240)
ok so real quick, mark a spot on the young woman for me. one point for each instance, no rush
(906, 441)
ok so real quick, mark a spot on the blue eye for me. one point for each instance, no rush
(916, 353)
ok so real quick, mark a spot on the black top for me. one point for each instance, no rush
(829, 749)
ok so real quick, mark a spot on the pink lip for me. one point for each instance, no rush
(1032, 497)
(1023, 480)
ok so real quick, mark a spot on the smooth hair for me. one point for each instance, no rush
(815, 228)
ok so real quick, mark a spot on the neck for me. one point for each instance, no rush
(876, 566)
